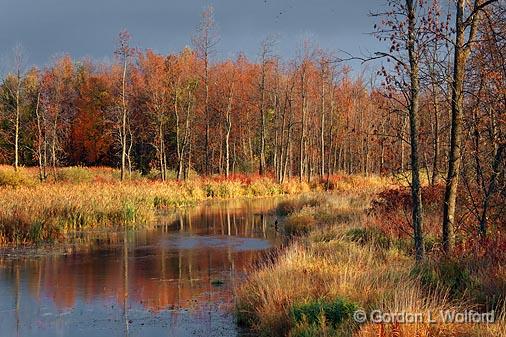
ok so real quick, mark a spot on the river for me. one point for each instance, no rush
(177, 279)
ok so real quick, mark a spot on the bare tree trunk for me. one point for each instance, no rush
(330, 168)
(498, 157)
(228, 129)
(129, 152)
(435, 158)
(261, 169)
(403, 125)
(186, 138)
(44, 163)
(413, 124)
(282, 152)
(189, 162)
(39, 139)
(309, 160)
(287, 151)
(16, 138)
(54, 142)
(234, 161)
(162, 150)
(180, 159)
(123, 121)
(303, 122)
(322, 126)
(18, 64)
(206, 81)
(436, 106)
(462, 51)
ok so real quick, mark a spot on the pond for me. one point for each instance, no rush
(175, 280)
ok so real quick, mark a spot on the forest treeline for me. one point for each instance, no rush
(436, 109)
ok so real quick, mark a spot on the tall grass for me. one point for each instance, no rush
(341, 260)
(79, 198)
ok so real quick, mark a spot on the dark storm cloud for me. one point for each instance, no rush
(89, 27)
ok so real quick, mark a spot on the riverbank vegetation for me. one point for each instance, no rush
(355, 251)
(86, 198)
(81, 198)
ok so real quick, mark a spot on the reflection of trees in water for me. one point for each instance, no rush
(17, 293)
(125, 280)
(165, 280)
(232, 217)
(151, 273)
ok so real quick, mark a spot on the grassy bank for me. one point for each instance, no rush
(79, 198)
(343, 258)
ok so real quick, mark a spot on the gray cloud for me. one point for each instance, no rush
(89, 27)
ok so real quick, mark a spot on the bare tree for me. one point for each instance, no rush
(124, 53)
(228, 128)
(205, 42)
(13, 83)
(465, 36)
(265, 58)
(407, 35)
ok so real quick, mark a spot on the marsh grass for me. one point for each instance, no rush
(341, 259)
(79, 198)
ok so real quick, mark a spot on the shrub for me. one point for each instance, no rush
(469, 278)
(155, 174)
(446, 273)
(223, 189)
(228, 189)
(294, 187)
(135, 175)
(288, 207)
(392, 210)
(264, 187)
(11, 178)
(74, 175)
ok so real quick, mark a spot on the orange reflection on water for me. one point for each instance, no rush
(193, 256)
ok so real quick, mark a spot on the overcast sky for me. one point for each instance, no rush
(88, 27)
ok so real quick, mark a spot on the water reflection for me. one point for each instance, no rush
(175, 280)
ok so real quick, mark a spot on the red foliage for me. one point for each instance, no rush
(491, 248)
(390, 200)
(392, 210)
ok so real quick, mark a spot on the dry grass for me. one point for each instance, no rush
(328, 270)
(79, 198)
(341, 260)
(47, 211)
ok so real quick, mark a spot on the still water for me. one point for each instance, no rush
(175, 280)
